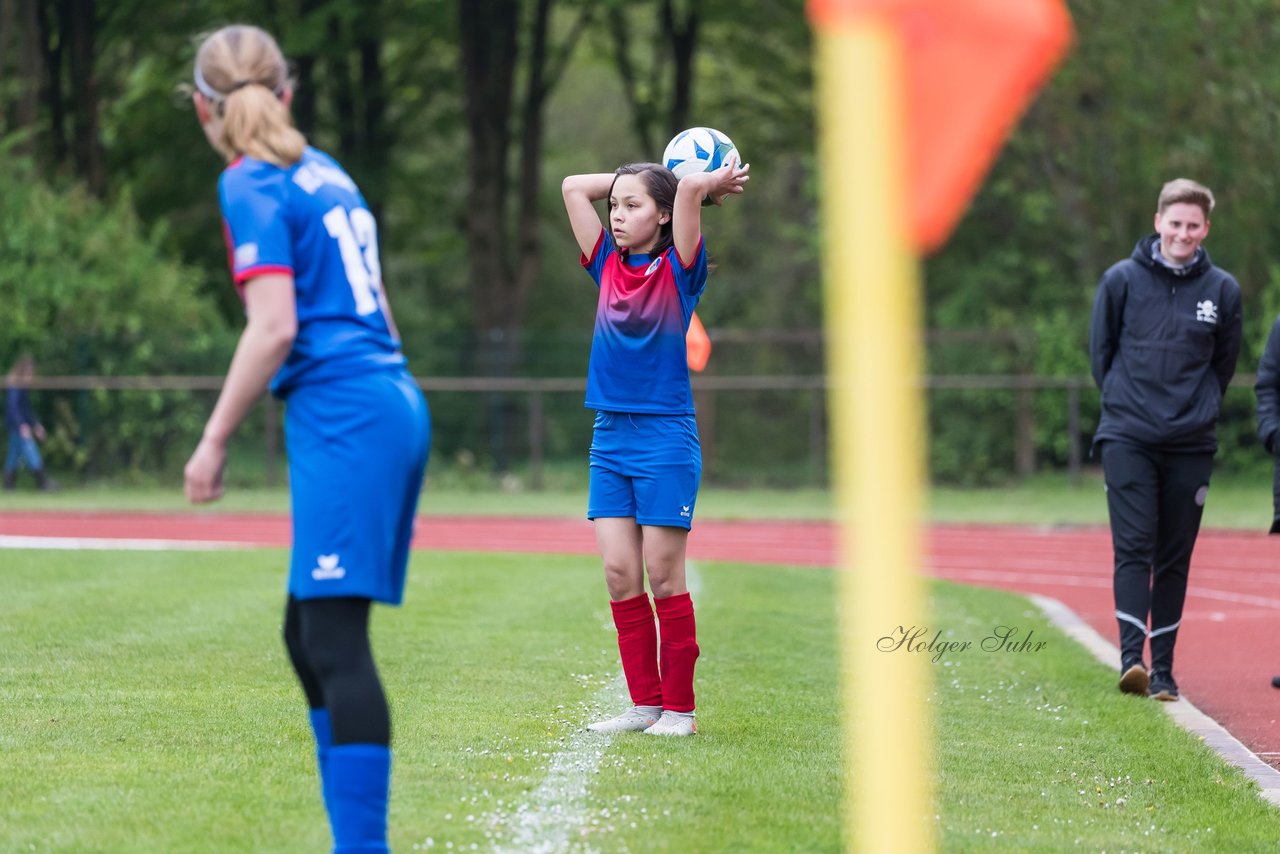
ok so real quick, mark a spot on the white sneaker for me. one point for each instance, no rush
(634, 719)
(673, 723)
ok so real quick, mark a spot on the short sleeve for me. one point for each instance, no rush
(604, 248)
(691, 277)
(257, 229)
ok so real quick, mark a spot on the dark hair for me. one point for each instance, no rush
(661, 184)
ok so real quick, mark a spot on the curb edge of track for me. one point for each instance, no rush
(1186, 715)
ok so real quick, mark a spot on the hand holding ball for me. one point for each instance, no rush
(700, 149)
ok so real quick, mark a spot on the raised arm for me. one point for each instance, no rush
(686, 218)
(581, 192)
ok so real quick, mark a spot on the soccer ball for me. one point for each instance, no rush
(699, 150)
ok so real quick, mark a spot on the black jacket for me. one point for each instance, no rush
(1267, 390)
(1163, 348)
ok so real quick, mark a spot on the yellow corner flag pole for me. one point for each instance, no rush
(873, 344)
(971, 67)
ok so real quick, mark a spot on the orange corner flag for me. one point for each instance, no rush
(973, 66)
(697, 343)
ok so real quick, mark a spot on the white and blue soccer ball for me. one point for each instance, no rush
(699, 150)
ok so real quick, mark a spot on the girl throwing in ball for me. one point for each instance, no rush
(319, 333)
(650, 265)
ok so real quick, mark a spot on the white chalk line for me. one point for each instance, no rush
(13, 541)
(555, 816)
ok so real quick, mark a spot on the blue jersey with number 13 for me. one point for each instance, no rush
(310, 221)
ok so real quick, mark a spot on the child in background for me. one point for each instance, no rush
(25, 430)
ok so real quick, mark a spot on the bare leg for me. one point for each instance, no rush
(620, 546)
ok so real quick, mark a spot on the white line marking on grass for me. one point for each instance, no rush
(9, 541)
(555, 817)
(1183, 712)
(692, 578)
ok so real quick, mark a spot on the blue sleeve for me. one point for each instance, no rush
(691, 278)
(254, 210)
(17, 408)
(604, 248)
(12, 420)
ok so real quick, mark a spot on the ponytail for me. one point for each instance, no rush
(257, 123)
(241, 72)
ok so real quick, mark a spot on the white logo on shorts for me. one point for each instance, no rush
(684, 509)
(327, 569)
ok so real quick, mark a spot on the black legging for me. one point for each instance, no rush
(328, 643)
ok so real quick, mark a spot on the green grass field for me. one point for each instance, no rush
(1049, 499)
(148, 706)
(1039, 752)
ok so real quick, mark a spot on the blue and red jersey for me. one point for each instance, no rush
(638, 358)
(310, 221)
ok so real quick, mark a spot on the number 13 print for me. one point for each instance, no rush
(357, 236)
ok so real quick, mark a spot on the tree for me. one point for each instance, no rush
(337, 48)
(56, 69)
(659, 93)
(510, 67)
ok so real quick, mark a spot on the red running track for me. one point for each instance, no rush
(1225, 652)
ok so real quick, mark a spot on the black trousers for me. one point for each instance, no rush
(1155, 500)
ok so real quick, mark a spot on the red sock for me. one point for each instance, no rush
(679, 651)
(638, 644)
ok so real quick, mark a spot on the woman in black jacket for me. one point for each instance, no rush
(1267, 390)
(1163, 341)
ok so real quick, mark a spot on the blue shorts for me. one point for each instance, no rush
(645, 466)
(357, 453)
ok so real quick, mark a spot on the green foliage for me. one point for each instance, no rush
(1141, 98)
(88, 291)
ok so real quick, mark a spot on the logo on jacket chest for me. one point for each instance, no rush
(1207, 312)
